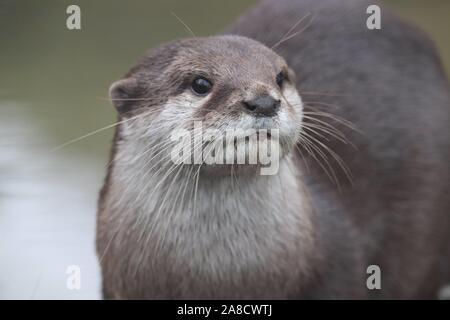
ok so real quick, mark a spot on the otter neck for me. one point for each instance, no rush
(254, 204)
(240, 229)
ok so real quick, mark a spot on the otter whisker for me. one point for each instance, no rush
(184, 24)
(168, 192)
(161, 182)
(331, 94)
(120, 201)
(303, 157)
(295, 34)
(174, 210)
(315, 132)
(154, 165)
(290, 30)
(139, 171)
(150, 227)
(338, 159)
(305, 143)
(339, 137)
(158, 184)
(161, 205)
(314, 105)
(233, 187)
(336, 118)
(97, 131)
(314, 147)
(325, 125)
(196, 189)
(123, 99)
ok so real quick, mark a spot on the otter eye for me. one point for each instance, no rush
(201, 86)
(280, 79)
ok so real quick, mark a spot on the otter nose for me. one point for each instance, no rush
(263, 105)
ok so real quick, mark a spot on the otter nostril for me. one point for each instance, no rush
(264, 105)
(277, 104)
(249, 106)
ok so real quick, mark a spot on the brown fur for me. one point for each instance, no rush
(389, 83)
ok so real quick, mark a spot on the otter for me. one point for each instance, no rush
(362, 120)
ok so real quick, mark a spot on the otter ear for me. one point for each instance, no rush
(291, 75)
(124, 93)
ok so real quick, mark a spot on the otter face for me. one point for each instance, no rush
(223, 84)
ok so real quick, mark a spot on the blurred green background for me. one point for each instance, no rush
(62, 74)
(53, 88)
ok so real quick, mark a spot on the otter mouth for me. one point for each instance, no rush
(267, 134)
(246, 148)
(259, 136)
(257, 146)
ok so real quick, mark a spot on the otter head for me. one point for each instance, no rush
(234, 92)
